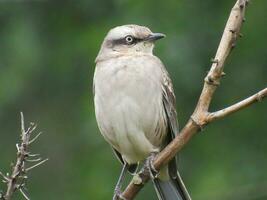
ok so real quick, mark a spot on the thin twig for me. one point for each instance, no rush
(18, 168)
(33, 160)
(35, 137)
(18, 175)
(238, 106)
(36, 165)
(24, 194)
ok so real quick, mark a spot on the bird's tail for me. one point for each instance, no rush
(172, 189)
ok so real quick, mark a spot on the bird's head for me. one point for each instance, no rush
(128, 40)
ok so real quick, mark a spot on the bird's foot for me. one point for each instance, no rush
(150, 167)
(118, 195)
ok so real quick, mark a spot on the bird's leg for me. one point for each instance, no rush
(117, 192)
(149, 165)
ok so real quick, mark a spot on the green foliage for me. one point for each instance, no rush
(47, 52)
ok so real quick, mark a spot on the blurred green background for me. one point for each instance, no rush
(47, 52)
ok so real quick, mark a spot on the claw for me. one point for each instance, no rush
(118, 195)
(149, 165)
(117, 191)
(122, 197)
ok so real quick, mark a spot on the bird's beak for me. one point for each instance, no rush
(155, 36)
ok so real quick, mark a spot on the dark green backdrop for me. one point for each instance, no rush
(47, 52)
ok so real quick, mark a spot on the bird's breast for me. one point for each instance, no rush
(128, 102)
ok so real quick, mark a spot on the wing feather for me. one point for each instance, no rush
(169, 103)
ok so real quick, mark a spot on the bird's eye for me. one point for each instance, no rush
(129, 39)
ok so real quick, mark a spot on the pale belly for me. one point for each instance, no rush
(129, 112)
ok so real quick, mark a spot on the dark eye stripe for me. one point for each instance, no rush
(123, 41)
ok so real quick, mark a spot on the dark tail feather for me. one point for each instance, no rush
(172, 189)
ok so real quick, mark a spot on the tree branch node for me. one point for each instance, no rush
(212, 80)
(223, 74)
(137, 180)
(232, 31)
(259, 97)
(242, 3)
(197, 123)
(214, 60)
(233, 45)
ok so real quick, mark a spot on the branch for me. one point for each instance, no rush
(238, 106)
(16, 181)
(201, 115)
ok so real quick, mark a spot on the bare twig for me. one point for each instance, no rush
(18, 175)
(24, 194)
(36, 165)
(201, 115)
(238, 106)
(35, 137)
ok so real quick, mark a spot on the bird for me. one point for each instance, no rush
(135, 105)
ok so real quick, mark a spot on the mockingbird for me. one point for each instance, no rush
(135, 105)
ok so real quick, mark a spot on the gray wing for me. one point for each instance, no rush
(169, 103)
